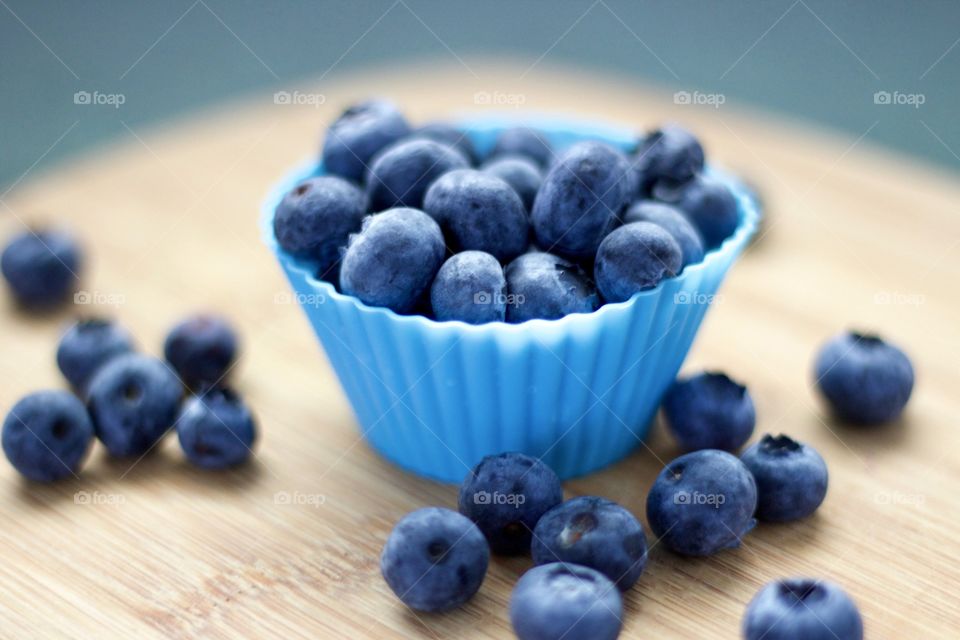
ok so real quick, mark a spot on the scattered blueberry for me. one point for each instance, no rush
(802, 609)
(675, 223)
(561, 601)
(580, 198)
(542, 285)
(47, 435)
(596, 533)
(435, 559)
(216, 429)
(865, 379)
(393, 259)
(470, 287)
(505, 495)
(523, 141)
(633, 258)
(791, 478)
(401, 174)
(133, 401)
(702, 502)
(41, 267)
(708, 203)
(87, 345)
(709, 411)
(201, 349)
(316, 217)
(670, 154)
(479, 212)
(449, 135)
(520, 173)
(358, 134)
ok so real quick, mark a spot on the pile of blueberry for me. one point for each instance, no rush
(129, 401)
(412, 219)
(588, 550)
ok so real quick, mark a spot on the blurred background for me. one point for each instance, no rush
(75, 74)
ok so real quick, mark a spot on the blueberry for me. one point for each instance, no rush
(358, 134)
(670, 154)
(401, 174)
(47, 435)
(133, 401)
(393, 259)
(202, 349)
(633, 258)
(702, 502)
(674, 222)
(470, 287)
(41, 267)
(216, 429)
(708, 203)
(596, 533)
(802, 609)
(542, 285)
(579, 199)
(561, 601)
(316, 217)
(791, 478)
(709, 411)
(87, 345)
(435, 559)
(864, 379)
(523, 141)
(505, 495)
(520, 173)
(479, 212)
(449, 135)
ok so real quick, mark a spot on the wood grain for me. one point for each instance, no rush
(288, 546)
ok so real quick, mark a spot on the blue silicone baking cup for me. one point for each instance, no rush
(579, 392)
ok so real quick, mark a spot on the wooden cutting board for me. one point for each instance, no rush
(288, 546)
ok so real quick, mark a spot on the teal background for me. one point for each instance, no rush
(813, 60)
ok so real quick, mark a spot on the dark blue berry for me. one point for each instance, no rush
(41, 267)
(449, 135)
(520, 173)
(864, 379)
(401, 174)
(435, 559)
(633, 258)
(708, 203)
(580, 198)
(46, 435)
(523, 141)
(202, 349)
(560, 601)
(316, 217)
(133, 400)
(791, 478)
(702, 502)
(216, 429)
(393, 259)
(675, 223)
(479, 212)
(596, 533)
(542, 285)
(505, 495)
(358, 135)
(802, 609)
(709, 411)
(87, 345)
(670, 154)
(470, 287)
